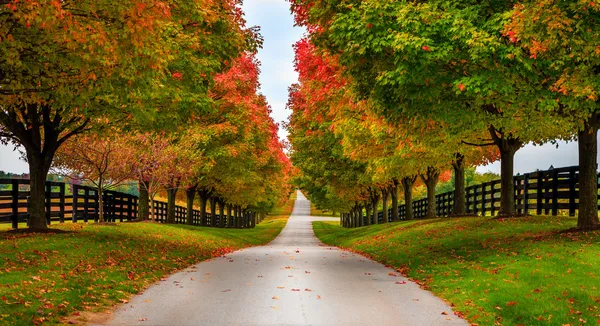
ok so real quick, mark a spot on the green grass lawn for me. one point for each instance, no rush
(505, 272)
(318, 212)
(46, 277)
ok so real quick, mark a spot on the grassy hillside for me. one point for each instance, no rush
(507, 272)
(44, 277)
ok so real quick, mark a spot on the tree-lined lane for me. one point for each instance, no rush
(293, 280)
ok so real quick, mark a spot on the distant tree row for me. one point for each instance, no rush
(395, 92)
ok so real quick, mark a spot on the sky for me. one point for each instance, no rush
(277, 74)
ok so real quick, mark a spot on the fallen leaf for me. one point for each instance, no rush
(402, 282)
(275, 298)
(511, 303)
(295, 290)
(307, 290)
(444, 313)
(318, 297)
(281, 287)
(392, 274)
(275, 307)
(148, 300)
(228, 290)
(306, 272)
(143, 319)
(193, 279)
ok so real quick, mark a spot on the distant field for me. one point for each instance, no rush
(521, 271)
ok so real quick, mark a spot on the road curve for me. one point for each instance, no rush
(295, 280)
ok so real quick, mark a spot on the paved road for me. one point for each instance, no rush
(295, 280)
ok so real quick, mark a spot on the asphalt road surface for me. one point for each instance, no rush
(295, 280)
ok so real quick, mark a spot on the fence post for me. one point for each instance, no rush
(526, 194)
(554, 193)
(483, 200)
(74, 205)
(86, 201)
(48, 202)
(61, 213)
(572, 184)
(15, 203)
(540, 193)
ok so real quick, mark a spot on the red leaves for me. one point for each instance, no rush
(461, 87)
(511, 36)
(425, 48)
(177, 75)
(511, 303)
(369, 25)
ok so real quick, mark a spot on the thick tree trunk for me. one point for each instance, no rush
(460, 195)
(368, 211)
(384, 200)
(588, 176)
(238, 217)
(223, 220)
(430, 180)
(213, 212)
(37, 193)
(203, 201)
(407, 185)
(508, 146)
(144, 201)
(171, 195)
(359, 212)
(190, 194)
(394, 193)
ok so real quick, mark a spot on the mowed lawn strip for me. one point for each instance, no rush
(521, 271)
(45, 277)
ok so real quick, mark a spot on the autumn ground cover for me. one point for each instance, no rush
(89, 268)
(522, 271)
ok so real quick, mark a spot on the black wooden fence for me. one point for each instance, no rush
(551, 192)
(83, 205)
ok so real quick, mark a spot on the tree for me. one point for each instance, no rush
(67, 64)
(99, 159)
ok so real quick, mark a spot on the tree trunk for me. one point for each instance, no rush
(213, 212)
(229, 217)
(223, 220)
(37, 193)
(407, 185)
(203, 201)
(190, 194)
(375, 203)
(394, 193)
(508, 146)
(384, 199)
(238, 222)
(171, 195)
(144, 201)
(430, 180)
(100, 202)
(359, 212)
(460, 195)
(588, 177)
(368, 210)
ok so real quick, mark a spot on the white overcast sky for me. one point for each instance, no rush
(277, 74)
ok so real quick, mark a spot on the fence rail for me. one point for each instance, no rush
(83, 205)
(551, 192)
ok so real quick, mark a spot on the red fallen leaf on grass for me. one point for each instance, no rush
(511, 303)
(296, 290)
(402, 282)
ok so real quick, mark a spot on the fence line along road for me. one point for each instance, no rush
(82, 205)
(550, 192)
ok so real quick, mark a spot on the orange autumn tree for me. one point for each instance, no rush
(102, 160)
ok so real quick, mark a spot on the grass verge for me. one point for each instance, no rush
(46, 277)
(505, 272)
